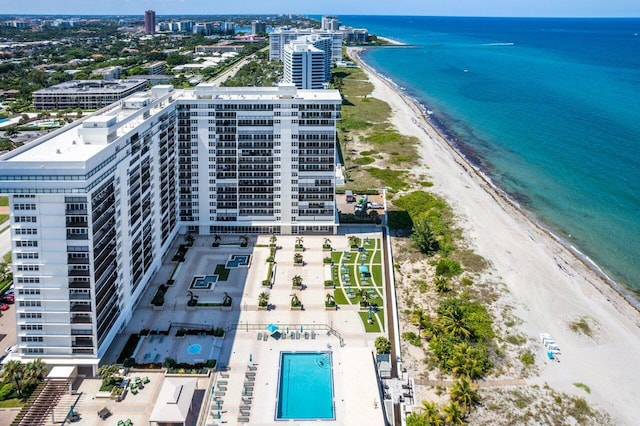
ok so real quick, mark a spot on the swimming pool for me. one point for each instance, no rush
(203, 282)
(305, 386)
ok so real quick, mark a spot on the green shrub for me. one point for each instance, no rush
(448, 268)
(6, 391)
(527, 359)
(412, 338)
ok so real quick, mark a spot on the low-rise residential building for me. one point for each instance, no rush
(86, 94)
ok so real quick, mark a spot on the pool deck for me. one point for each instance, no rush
(357, 396)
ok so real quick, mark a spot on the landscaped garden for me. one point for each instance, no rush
(358, 278)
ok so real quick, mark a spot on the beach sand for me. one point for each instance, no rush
(549, 285)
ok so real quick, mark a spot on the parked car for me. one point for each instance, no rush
(3, 306)
(9, 298)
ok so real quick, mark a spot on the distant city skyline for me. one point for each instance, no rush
(506, 8)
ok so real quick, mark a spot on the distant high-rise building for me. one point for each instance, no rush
(150, 22)
(281, 37)
(258, 27)
(330, 23)
(307, 62)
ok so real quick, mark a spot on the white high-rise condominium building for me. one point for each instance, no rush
(95, 205)
(307, 62)
(280, 38)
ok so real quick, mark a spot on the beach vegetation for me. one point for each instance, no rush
(395, 179)
(423, 236)
(528, 359)
(448, 268)
(581, 326)
(412, 338)
(516, 339)
(464, 394)
(426, 184)
(582, 386)
(363, 161)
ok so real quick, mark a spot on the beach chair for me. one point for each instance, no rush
(224, 375)
(259, 336)
(222, 382)
(313, 335)
(265, 337)
(245, 407)
(306, 335)
(243, 419)
(247, 400)
(297, 335)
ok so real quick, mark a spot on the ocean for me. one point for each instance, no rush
(549, 109)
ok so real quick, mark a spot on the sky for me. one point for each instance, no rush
(512, 8)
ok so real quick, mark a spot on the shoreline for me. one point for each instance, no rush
(548, 284)
(472, 163)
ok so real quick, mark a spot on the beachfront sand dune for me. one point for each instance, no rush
(551, 287)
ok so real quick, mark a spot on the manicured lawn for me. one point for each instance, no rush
(377, 257)
(339, 297)
(4, 201)
(11, 403)
(369, 328)
(222, 272)
(376, 273)
(335, 256)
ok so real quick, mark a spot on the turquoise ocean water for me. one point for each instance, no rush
(548, 108)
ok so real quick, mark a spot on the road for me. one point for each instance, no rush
(5, 242)
(232, 71)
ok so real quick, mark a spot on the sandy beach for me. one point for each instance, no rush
(549, 285)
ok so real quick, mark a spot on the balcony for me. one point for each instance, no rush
(81, 319)
(80, 307)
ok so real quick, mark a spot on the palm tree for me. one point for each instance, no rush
(217, 238)
(244, 240)
(326, 243)
(273, 240)
(227, 300)
(431, 413)
(263, 299)
(330, 299)
(11, 132)
(299, 242)
(189, 239)
(452, 414)
(34, 373)
(354, 241)
(295, 301)
(297, 258)
(193, 299)
(464, 394)
(382, 345)
(13, 371)
(296, 281)
(453, 321)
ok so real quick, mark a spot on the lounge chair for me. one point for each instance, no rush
(243, 419)
(265, 337)
(222, 382)
(222, 388)
(259, 336)
(245, 407)
(306, 335)
(313, 335)
(104, 413)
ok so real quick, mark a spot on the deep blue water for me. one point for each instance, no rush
(550, 108)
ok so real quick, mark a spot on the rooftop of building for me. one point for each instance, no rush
(83, 139)
(91, 86)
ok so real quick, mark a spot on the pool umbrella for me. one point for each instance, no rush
(272, 328)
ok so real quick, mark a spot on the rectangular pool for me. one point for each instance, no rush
(305, 386)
